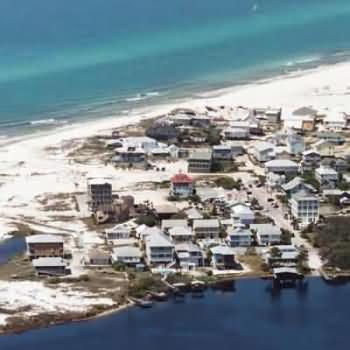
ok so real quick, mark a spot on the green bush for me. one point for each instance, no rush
(228, 183)
(148, 220)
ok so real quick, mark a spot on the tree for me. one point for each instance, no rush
(275, 252)
(148, 220)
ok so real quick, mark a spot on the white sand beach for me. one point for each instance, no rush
(29, 169)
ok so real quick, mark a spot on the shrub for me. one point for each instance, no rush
(148, 220)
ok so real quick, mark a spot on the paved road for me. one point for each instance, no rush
(277, 214)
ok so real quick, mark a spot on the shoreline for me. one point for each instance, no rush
(123, 307)
(99, 124)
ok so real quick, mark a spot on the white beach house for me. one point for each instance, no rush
(267, 234)
(159, 250)
(305, 208)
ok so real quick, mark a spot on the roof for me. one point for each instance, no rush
(326, 171)
(99, 181)
(165, 209)
(304, 195)
(201, 154)
(119, 228)
(213, 223)
(310, 151)
(240, 208)
(49, 262)
(148, 231)
(266, 229)
(290, 270)
(44, 239)
(222, 250)
(128, 251)
(158, 240)
(281, 163)
(181, 178)
(239, 232)
(297, 181)
(194, 213)
(188, 247)
(180, 231)
(174, 223)
(222, 148)
(263, 146)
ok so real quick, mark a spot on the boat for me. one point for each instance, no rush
(161, 296)
(198, 288)
(143, 303)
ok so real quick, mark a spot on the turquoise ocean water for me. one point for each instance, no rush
(63, 60)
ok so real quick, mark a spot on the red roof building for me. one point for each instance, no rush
(181, 185)
(181, 179)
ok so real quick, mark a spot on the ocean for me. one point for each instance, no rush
(63, 60)
(250, 315)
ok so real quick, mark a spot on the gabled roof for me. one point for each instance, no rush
(181, 178)
(158, 240)
(297, 181)
(241, 208)
(44, 239)
(212, 223)
(281, 163)
(201, 154)
(49, 262)
(310, 151)
(263, 146)
(174, 223)
(180, 231)
(239, 231)
(266, 229)
(194, 213)
(304, 195)
(128, 251)
(222, 250)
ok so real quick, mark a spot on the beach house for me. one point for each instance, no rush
(129, 255)
(327, 177)
(97, 258)
(295, 185)
(305, 208)
(181, 234)
(282, 166)
(189, 255)
(335, 121)
(231, 133)
(267, 234)
(273, 115)
(222, 152)
(129, 156)
(263, 151)
(166, 225)
(311, 159)
(44, 245)
(200, 161)
(99, 192)
(159, 249)
(242, 214)
(223, 257)
(206, 228)
(50, 266)
(239, 237)
(295, 144)
(325, 148)
(181, 185)
(332, 137)
(121, 231)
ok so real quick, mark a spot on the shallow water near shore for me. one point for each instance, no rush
(62, 61)
(11, 247)
(249, 316)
